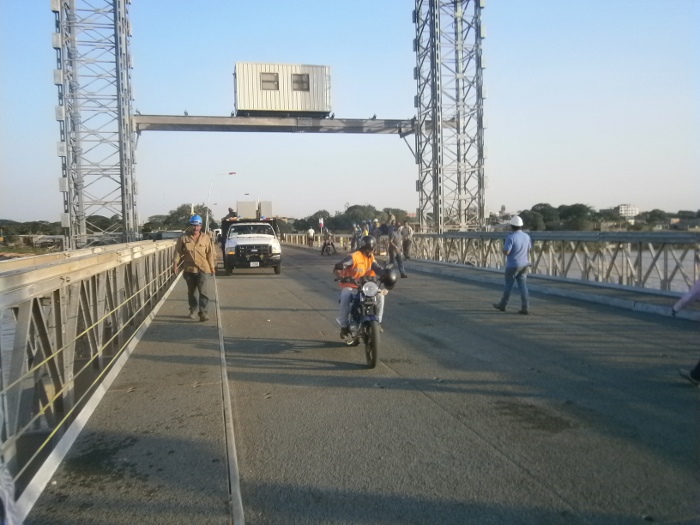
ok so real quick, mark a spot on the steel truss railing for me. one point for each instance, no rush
(660, 261)
(64, 321)
(655, 261)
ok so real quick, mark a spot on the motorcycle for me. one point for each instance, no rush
(327, 246)
(364, 323)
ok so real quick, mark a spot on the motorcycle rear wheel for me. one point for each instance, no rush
(372, 344)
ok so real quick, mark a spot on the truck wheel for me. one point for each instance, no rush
(278, 269)
(229, 270)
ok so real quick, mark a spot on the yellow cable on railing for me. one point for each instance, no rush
(60, 423)
(10, 441)
(78, 336)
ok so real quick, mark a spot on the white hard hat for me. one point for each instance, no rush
(516, 221)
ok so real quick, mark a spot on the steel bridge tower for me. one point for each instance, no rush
(450, 114)
(97, 142)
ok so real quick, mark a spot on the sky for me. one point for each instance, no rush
(593, 103)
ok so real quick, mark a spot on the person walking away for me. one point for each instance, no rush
(360, 263)
(226, 222)
(406, 239)
(196, 252)
(690, 296)
(516, 248)
(310, 236)
(395, 250)
(353, 237)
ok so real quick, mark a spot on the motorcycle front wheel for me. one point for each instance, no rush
(372, 343)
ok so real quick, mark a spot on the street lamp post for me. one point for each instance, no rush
(206, 225)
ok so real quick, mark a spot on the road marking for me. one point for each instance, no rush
(234, 479)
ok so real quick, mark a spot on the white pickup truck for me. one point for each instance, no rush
(252, 244)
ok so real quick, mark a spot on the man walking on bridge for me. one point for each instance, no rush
(197, 254)
(517, 251)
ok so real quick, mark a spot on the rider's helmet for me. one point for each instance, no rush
(195, 219)
(368, 244)
(516, 221)
(389, 276)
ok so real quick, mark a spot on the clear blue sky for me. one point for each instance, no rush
(595, 103)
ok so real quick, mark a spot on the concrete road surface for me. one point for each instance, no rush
(574, 414)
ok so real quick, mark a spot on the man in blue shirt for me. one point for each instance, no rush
(517, 251)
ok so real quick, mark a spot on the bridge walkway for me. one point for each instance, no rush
(155, 449)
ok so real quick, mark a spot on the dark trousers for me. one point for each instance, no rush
(396, 257)
(407, 248)
(197, 282)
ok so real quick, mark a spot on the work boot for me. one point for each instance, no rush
(203, 316)
(344, 332)
(192, 314)
(499, 306)
(524, 311)
(686, 374)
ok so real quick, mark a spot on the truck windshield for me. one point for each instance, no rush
(250, 229)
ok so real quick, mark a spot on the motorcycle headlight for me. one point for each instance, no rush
(370, 288)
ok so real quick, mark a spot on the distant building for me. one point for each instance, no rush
(626, 210)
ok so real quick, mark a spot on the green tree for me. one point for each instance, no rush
(550, 215)
(99, 222)
(580, 211)
(532, 220)
(399, 214)
(357, 213)
(656, 216)
(685, 214)
(178, 218)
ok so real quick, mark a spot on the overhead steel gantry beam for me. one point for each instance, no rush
(272, 124)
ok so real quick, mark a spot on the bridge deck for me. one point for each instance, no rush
(574, 414)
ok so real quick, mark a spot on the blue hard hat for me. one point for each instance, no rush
(196, 219)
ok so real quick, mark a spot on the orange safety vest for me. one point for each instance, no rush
(361, 266)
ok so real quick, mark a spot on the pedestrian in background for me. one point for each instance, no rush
(406, 239)
(196, 252)
(690, 296)
(355, 237)
(517, 251)
(225, 225)
(310, 236)
(395, 251)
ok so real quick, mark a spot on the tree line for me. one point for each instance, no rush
(581, 217)
(541, 217)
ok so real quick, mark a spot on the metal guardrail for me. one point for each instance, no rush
(64, 320)
(667, 261)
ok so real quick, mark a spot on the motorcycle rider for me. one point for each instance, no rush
(359, 263)
(328, 242)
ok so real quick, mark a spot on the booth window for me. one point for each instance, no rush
(300, 82)
(269, 81)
